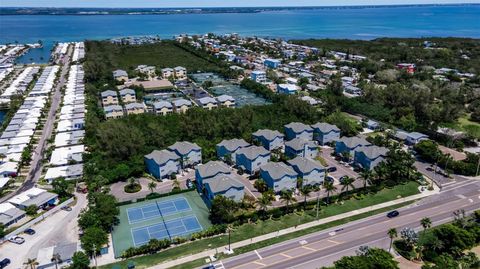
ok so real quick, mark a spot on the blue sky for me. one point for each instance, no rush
(212, 3)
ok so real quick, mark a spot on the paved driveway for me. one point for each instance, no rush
(341, 169)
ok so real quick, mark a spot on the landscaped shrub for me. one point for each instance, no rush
(153, 246)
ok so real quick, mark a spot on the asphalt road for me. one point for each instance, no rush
(324, 247)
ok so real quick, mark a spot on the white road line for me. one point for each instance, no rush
(258, 254)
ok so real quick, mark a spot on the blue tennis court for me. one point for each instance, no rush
(157, 209)
(166, 230)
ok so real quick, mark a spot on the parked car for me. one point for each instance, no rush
(66, 208)
(330, 179)
(393, 214)
(29, 231)
(331, 169)
(4, 263)
(17, 240)
(189, 184)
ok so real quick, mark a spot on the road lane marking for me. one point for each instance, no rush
(258, 254)
(335, 242)
(309, 248)
(286, 255)
(259, 263)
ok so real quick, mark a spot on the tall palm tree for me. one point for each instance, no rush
(366, 176)
(426, 223)
(31, 263)
(392, 233)
(329, 188)
(152, 185)
(346, 183)
(287, 197)
(305, 191)
(56, 259)
(264, 202)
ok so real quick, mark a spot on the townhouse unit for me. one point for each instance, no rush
(311, 171)
(113, 111)
(190, 154)
(162, 163)
(134, 108)
(346, 146)
(226, 100)
(120, 75)
(325, 133)
(272, 63)
(128, 96)
(210, 170)
(251, 158)
(208, 103)
(181, 105)
(270, 139)
(279, 176)
(258, 76)
(180, 72)
(298, 130)
(109, 98)
(167, 72)
(225, 185)
(146, 70)
(301, 147)
(162, 108)
(227, 148)
(369, 157)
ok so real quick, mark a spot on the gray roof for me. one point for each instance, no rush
(253, 152)
(222, 182)
(184, 147)
(40, 199)
(400, 134)
(325, 127)
(213, 168)
(127, 91)
(109, 93)
(207, 100)
(223, 98)
(233, 144)
(66, 250)
(277, 170)
(299, 144)
(112, 108)
(354, 141)
(162, 156)
(298, 127)
(120, 73)
(134, 106)
(305, 165)
(167, 69)
(180, 68)
(181, 102)
(162, 104)
(416, 135)
(10, 214)
(373, 152)
(268, 134)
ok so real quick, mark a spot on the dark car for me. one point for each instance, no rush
(4, 263)
(393, 214)
(331, 169)
(330, 179)
(29, 231)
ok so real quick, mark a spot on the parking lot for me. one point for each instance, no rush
(342, 170)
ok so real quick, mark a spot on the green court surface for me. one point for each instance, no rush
(167, 217)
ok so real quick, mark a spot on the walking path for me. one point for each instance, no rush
(304, 226)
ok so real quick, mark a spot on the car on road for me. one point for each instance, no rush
(430, 169)
(29, 231)
(393, 214)
(331, 169)
(17, 240)
(4, 263)
(66, 208)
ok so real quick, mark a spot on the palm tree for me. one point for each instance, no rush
(56, 258)
(346, 183)
(287, 197)
(366, 176)
(176, 184)
(31, 263)
(329, 188)
(305, 191)
(152, 185)
(264, 202)
(132, 181)
(426, 223)
(392, 233)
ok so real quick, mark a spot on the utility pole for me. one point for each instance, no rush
(478, 165)
(318, 202)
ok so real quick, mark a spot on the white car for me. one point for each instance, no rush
(17, 240)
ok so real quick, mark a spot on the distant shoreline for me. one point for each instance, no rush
(89, 11)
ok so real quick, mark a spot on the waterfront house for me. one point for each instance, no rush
(181, 105)
(287, 89)
(272, 63)
(325, 133)
(414, 137)
(348, 145)
(225, 185)
(258, 76)
(279, 176)
(135, 108)
(34, 196)
(128, 96)
(298, 130)
(180, 72)
(311, 171)
(369, 157)
(167, 72)
(190, 153)
(162, 163)
(226, 100)
(270, 140)
(162, 108)
(109, 98)
(120, 75)
(113, 112)
(301, 147)
(210, 170)
(230, 147)
(251, 158)
(207, 102)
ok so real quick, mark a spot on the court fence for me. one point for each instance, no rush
(154, 195)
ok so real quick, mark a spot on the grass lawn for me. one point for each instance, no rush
(465, 124)
(247, 231)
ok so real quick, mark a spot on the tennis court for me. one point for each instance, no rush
(166, 230)
(157, 209)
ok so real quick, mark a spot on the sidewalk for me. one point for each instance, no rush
(304, 226)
